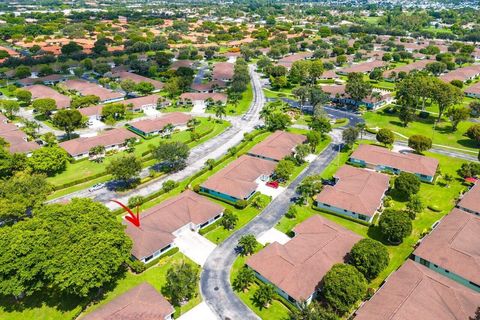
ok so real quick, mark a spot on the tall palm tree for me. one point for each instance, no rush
(361, 126)
(220, 110)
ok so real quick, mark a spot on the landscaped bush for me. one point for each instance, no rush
(136, 266)
(169, 253)
(434, 208)
(241, 204)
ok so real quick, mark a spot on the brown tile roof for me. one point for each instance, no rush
(407, 162)
(298, 266)
(417, 65)
(416, 292)
(278, 145)
(157, 124)
(471, 200)
(238, 178)
(15, 137)
(181, 63)
(49, 78)
(138, 78)
(357, 190)
(158, 223)
(454, 245)
(200, 96)
(208, 86)
(363, 67)
(92, 110)
(462, 74)
(82, 145)
(473, 89)
(140, 302)
(88, 88)
(39, 91)
(223, 71)
(290, 59)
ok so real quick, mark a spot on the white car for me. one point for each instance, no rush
(96, 187)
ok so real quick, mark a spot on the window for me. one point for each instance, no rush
(148, 258)
(326, 205)
(291, 299)
(425, 262)
(446, 271)
(474, 284)
(362, 217)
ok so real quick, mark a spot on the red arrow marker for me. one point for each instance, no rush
(133, 218)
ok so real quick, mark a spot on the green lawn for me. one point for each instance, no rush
(42, 308)
(440, 195)
(442, 134)
(85, 168)
(175, 108)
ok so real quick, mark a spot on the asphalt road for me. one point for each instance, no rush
(211, 149)
(215, 278)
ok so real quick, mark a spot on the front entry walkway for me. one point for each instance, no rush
(273, 235)
(200, 312)
(194, 245)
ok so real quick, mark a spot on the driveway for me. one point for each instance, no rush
(273, 235)
(200, 312)
(194, 245)
(269, 191)
(199, 107)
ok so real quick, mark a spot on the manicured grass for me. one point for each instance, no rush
(442, 134)
(439, 194)
(174, 108)
(85, 168)
(284, 92)
(62, 308)
(243, 104)
(219, 234)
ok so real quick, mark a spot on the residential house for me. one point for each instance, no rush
(151, 127)
(51, 80)
(416, 292)
(297, 268)
(470, 201)
(85, 88)
(223, 71)
(160, 224)
(194, 97)
(110, 139)
(463, 74)
(357, 193)
(92, 113)
(288, 61)
(363, 67)
(377, 99)
(16, 138)
(382, 159)
(417, 65)
(141, 302)
(208, 87)
(473, 91)
(240, 179)
(39, 91)
(451, 249)
(124, 75)
(181, 63)
(277, 146)
(150, 102)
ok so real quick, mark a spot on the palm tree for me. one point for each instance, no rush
(361, 126)
(220, 110)
(167, 130)
(31, 128)
(96, 153)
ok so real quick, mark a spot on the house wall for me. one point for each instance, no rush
(448, 274)
(344, 212)
(157, 253)
(381, 168)
(219, 194)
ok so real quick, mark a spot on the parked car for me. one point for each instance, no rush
(96, 187)
(272, 184)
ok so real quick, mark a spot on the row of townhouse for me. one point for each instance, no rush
(441, 280)
(17, 140)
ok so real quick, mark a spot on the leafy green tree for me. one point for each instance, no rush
(244, 279)
(277, 121)
(248, 243)
(406, 114)
(169, 185)
(48, 160)
(385, 136)
(264, 295)
(446, 96)
(127, 85)
(125, 168)
(220, 109)
(313, 139)
(321, 124)
(144, 87)
(284, 169)
(350, 136)
(301, 152)
(343, 286)
(312, 311)
(456, 115)
(10, 107)
(84, 101)
(135, 201)
(407, 184)
(44, 106)
(23, 96)
(173, 154)
(310, 186)
(419, 143)
(469, 169)
(181, 284)
(68, 120)
(473, 132)
(229, 220)
(292, 212)
(357, 88)
(114, 111)
(414, 206)
(71, 47)
(58, 249)
(22, 72)
(395, 225)
(370, 257)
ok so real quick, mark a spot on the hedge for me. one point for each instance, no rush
(169, 253)
(79, 181)
(211, 227)
(365, 223)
